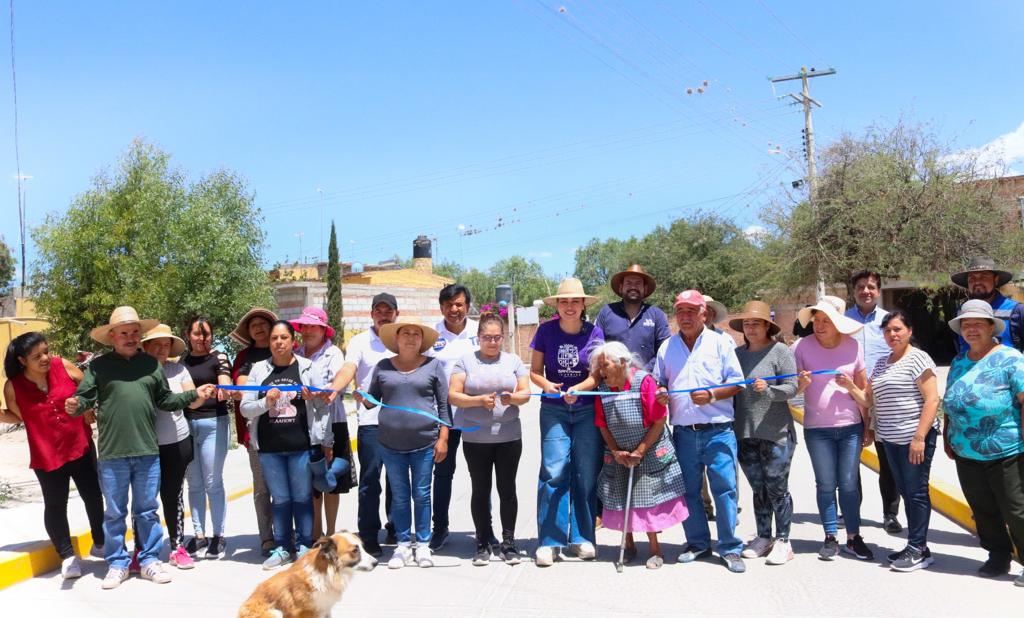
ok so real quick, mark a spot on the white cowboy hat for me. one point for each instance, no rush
(977, 308)
(389, 333)
(570, 287)
(161, 331)
(720, 311)
(120, 315)
(833, 307)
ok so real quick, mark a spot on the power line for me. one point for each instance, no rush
(795, 36)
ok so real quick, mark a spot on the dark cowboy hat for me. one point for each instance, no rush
(635, 269)
(982, 264)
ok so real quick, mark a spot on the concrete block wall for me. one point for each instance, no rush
(418, 304)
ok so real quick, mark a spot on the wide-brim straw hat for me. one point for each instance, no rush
(834, 308)
(120, 315)
(241, 332)
(977, 308)
(161, 331)
(637, 270)
(389, 333)
(570, 287)
(982, 264)
(721, 311)
(755, 309)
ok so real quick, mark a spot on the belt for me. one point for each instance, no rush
(703, 426)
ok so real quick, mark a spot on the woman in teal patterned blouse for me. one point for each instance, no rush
(984, 393)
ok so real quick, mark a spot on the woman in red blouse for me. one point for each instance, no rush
(60, 446)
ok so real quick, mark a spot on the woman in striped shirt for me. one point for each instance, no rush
(903, 394)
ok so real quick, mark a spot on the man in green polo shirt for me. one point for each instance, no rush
(128, 388)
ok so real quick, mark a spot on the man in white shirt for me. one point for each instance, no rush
(702, 425)
(457, 338)
(364, 351)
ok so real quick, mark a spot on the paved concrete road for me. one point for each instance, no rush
(804, 587)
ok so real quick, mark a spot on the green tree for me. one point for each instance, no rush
(335, 311)
(526, 277)
(143, 235)
(898, 200)
(7, 263)
(599, 259)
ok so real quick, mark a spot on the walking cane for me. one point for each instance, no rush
(625, 522)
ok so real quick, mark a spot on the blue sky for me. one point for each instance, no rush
(533, 127)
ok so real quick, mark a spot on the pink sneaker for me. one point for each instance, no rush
(134, 566)
(180, 558)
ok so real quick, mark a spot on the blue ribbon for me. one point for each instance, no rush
(699, 388)
(376, 402)
(284, 388)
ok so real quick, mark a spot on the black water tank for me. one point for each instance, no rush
(503, 293)
(421, 247)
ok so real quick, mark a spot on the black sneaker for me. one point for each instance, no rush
(483, 555)
(912, 560)
(216, 549)
(856, 546)
(830, 549)
(372, 547)
(390, 538)
(194, 546)
(509, 552)
(438, 538)
(896, 555)
(994, 567)
(891, 525)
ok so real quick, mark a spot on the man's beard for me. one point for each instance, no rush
(979, 295)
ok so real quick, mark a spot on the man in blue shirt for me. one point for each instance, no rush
(982, 280)
(867, 287)
(640, 326)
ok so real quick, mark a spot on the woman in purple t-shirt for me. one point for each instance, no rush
(835, 426)
(571, 445)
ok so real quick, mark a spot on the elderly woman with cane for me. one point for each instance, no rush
(641, 483)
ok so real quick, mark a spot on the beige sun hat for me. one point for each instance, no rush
(389, 333)
(159, 332)
(721, 311)
(120, 315)
(755, 309)
(241, 332)
(570, 287)
(833, 307)
(980, 309)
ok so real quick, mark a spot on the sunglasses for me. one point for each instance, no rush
(491, 338)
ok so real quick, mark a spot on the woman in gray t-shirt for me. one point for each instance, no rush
(487, 387)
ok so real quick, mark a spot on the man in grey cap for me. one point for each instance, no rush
(362, 354)
(982, 281)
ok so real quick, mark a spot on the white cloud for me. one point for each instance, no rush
(1003, 154)
(754, 231)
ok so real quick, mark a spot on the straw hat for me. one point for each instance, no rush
(120, 315)
(721, 311)
(241, 332)
(161, 331)
(570, 287)
(982, 264)
(755, 309)
(977, 308)
(389, 332)
(636, 270)
(833, 307)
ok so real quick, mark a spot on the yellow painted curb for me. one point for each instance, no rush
(946, 499)
(39, 557)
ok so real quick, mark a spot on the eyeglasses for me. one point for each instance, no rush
(491, 338)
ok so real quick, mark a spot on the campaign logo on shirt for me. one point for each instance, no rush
(568, 356)
(649, 323)
(440, 344)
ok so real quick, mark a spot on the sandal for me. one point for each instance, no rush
(655, 562)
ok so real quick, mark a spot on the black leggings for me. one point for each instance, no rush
(174, 460)
(503, 458)
(55, 487)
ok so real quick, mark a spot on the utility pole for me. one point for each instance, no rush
(804, 98)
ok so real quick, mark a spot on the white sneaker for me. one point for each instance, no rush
(585, 551)
(403, 555)
(781, 552)
(71, 568)
(424, 557)
(154, 572)
(114, 578)
(757, 548)
(545, 556)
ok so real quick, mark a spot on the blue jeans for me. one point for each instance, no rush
(142, 475)
(912, 482)
(409, 473)
(371, 463)
(571, 447)
(713, 449)
(835, 457)
(444, 472)
(291, 497)
(206, 472)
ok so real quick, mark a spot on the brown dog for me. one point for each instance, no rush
(311, 586)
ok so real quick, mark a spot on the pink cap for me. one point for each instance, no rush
(314, 316)
(690, 297)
